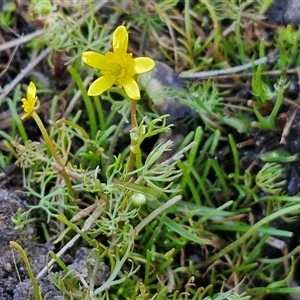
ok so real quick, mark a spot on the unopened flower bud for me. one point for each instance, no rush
(138, 199)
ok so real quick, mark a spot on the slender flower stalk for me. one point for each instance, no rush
(30, 104)
(132, 155)
(119, 68)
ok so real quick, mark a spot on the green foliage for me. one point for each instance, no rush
(65, 34)
(269, 178)
(6, 15)
(287, 43)
(263, 93)
(278, 155)
(193, 222)
(208, 102)
(41, 8)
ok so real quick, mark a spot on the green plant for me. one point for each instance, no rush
(168, 209)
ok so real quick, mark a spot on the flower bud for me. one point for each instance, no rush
(138, 199)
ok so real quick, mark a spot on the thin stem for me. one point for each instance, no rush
(279, 101)
(51, 147)
(132, 155)
(133, 114)
(37, 291)
(87, 101)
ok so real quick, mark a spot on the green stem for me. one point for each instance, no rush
(36, 288)
(132, 156)
(51, 147)
(101, 115)
(278, 102)
(133, 114)
(87, 101)
(217, 29)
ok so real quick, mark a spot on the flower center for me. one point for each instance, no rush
(118, 66)
(116, 69)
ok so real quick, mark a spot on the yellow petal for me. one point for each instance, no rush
(24, 116)
(143, 64)
(100, 85)
(31, 92)
(131, 88)
(120, 40)
(93, 59)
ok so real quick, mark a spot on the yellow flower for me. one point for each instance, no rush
(29, 104)
(117, 67)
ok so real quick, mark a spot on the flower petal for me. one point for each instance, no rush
(24, 116)
(120, 39)
(31, 92)
(93, 59)
(143, 64)
(131, 88)
(100, 85)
